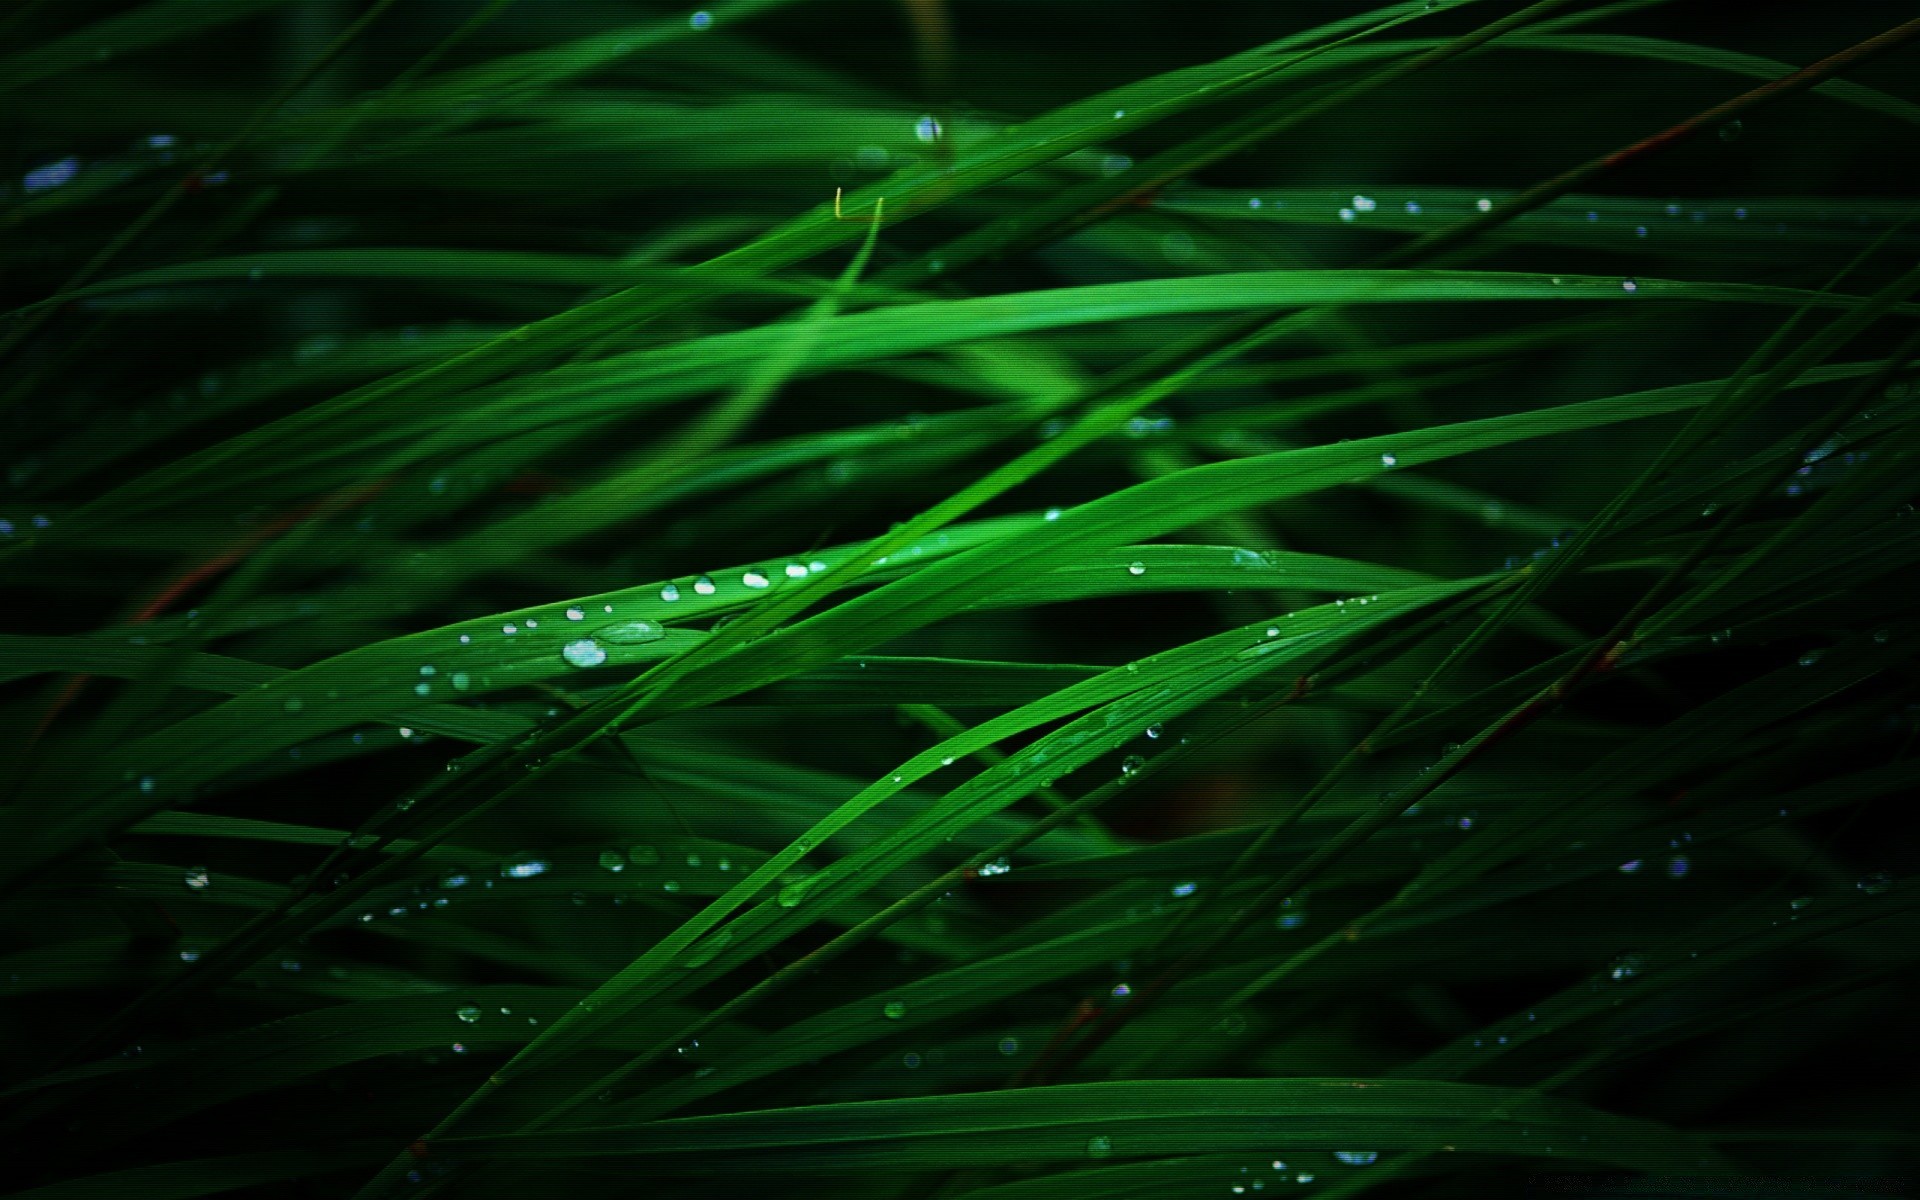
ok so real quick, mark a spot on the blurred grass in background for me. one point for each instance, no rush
(1288, 598)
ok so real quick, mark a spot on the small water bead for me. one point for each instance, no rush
(1626, 967)
(631, 633)
(293, 704)
(671, 885)
(468, 1013)
(1009, 1046)
(466, 639)
(1875, 883)
(1052, 514)
(524, 870)
(1357, 1158)
(700, 21)
(1731, 131)
(643, 855)
(926, 129)
(532, 623)
(1801, 902)
(1629, 867)
(584, 652)
(1303, 1177)
(1413, 208)
(1346, 214)
(1120, 990)
(704, 585)
(197, 879)
(1629, 285)
(1100, 1146)
(1155, 730)
(1483, 204)
(670, 592)
(613, 860)
(998, 866)
(755, 579)
(894, 1010)
(1184, 889)
(1133, 764)
(1254, 203)
(796, 570)
(1136, 568)
(1678, 866)
(509, 629)
(1388, 460)
(1809, 658)
(1639, 231)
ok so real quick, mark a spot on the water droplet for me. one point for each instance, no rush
(704, 585)
(1136, 568)
(755, 579)
(1483, 204)
(669, 592)
(1809, 658)
(631, 633)
(998, 866)
(700, 21)
(1099, 1146)
(1626, 967)
(1629, 285)
(1388, 460)
(1630, 866)
(1357, 1158)
(1133, 764)
(1875, 883)
(509, 629)
(197, 879)
(585, 652)
(1801, 902)
(1413, 208)
(1009, 1046)
(1346, 214)
(894, 1010)
(1155, 730)
(1731, 131)
(643, 855)
(613, 860)
(1678, 866)
(524, 870)
(926, 129)
(793, 893)
(468, 1013)
(293, 704)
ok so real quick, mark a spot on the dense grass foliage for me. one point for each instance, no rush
(958, 598)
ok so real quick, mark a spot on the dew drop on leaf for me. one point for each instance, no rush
(468, 1013)
(631, 633)
(613, 860)
(1099, 1146)
(894, 1010)
(584, 652)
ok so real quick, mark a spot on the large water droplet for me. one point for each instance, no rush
(755, 579)
(894, 1010)
(926, 129)
(1357, 1158)
(585, 652)
(631, 633)
(197, 879)
(1136, 568)
(704, 585)
(468, 1013)
(613, 860)
(669, 592)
